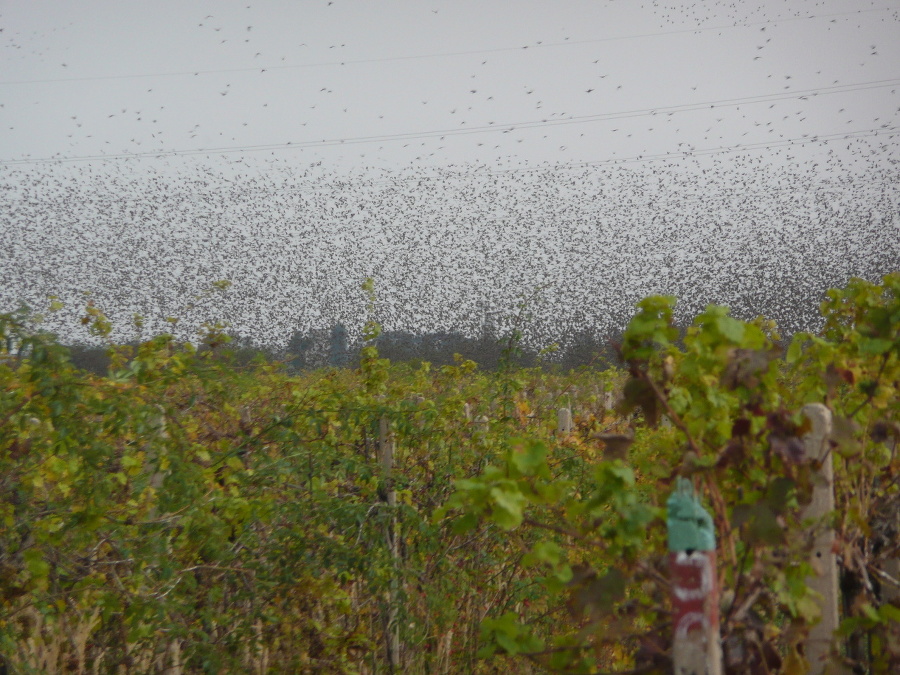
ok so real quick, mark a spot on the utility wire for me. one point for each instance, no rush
(388, 59)
(885, 132)
(507, 127)
(786, 143)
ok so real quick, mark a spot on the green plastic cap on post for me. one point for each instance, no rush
(690, 526)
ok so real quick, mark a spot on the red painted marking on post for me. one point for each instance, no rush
(694, 591)
(695, 604)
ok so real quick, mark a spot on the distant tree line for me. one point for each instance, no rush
(332, 348)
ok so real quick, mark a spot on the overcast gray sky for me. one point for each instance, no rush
(391, 83)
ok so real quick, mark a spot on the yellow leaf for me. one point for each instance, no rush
(795, 664)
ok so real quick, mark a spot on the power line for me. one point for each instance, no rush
(749, 147)
(888, 132)
(503, 128)
(410, 57)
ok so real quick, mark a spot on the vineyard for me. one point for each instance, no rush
(185, 514)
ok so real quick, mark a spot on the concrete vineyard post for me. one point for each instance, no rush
(823, 560)
(419, 401)
(696, 647)
(482, 425)
(564, 421)
(891, 593)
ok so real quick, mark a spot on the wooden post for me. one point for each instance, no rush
(159, 425)
(696, 646)
(151, 455)
(564, 421)
(386, 457)
(823, 560)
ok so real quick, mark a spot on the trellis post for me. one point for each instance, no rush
(564, 421)
(482, 424)
(890, 592)
(609, 401)
(823, 559)
(419, 401)
(696, 647)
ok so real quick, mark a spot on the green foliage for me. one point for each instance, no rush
(732, 403)
(182, 513)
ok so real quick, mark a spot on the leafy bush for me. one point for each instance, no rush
(183, 515)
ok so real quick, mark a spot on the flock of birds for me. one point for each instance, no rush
(558, 248)
(561, 250)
